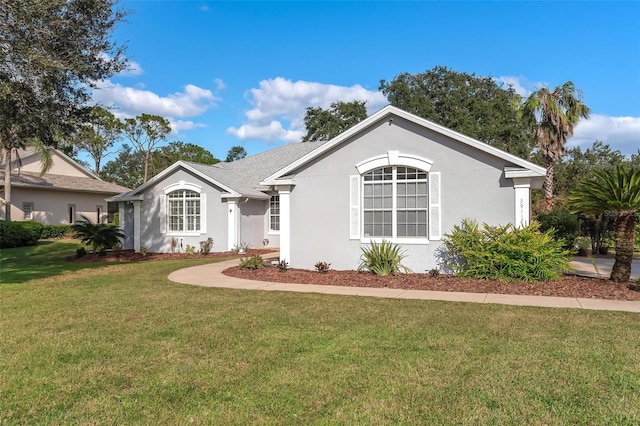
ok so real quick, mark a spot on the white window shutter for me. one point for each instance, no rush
(354, 207)
(203, 213)
(435, 219)
(163, 214)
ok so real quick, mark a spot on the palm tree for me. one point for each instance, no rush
(613, 192)
(554, 114)
(98, 235)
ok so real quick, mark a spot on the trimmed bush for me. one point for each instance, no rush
(35, 228)
(566, 226)
(506, 254)
(55, 231)
(253, 262)
(382, 259)
(17, 234)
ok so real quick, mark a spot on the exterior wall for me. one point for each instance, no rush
(126, 224)
(60, 166)
(153, 221)
(52, 207)
(253, 217)
(472, 186)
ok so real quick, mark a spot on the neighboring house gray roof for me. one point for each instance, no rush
(63, 183)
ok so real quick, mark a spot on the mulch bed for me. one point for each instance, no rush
(132, 256)
(568, 286)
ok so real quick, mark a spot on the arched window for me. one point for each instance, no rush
(395, 203)
(183, 211)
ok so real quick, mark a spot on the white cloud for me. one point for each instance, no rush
(219, 83)
(133, 68)
(280, 106)
(177, 125)
(131, 101)
(622, 133)
(521, 85)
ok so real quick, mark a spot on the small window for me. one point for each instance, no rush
(274, 213)
(98, 214)
(27, 208)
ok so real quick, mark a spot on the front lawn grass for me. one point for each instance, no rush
(45, 259)
(121, 344)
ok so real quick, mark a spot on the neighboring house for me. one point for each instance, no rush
(62, 195)
(394, 177)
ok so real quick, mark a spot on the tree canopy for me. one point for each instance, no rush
(145, 131)
(235, 153)
(165, 156)
(98, 135)
(326, 124)
(52, 53)
(472, 105)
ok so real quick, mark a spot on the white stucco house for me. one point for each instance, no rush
(394, 176)
(62, 195)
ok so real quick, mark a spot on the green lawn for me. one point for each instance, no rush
(121, 344)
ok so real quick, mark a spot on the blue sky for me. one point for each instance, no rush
(243, 73)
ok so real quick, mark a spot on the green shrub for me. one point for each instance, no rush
(504, 253)
(323, 267)
(55, 231)
(253, 262)
(35, 228)
(116, 219)
(382, 259)
(17, 234)
(190, 249)
(144, 251)
(206, 246)
(80, 252)
(566, 226)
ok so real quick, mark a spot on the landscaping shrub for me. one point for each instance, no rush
(206, 246)
(253, 262)
(35, 228)
(323, 267)
(382, 259)
(98, 235)
(506, 254)
(55, 231)
(17, 234)
(190, 249)
(566, 226)
(283, 265)
(80, 252)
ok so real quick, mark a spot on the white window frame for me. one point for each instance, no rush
(395, 159)
(165, 209)
(272, 215)
(27, 206)
(395, 209)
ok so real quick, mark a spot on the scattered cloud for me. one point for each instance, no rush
(280, 105)
(622, 133)
(133, 68)
(521, 85)
(130, 101)
(220, 85)
(204, 8)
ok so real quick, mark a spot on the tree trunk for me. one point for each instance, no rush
(7, 185)
(625, 237)
(548, 184)
(147, 160)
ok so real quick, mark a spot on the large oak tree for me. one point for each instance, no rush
(475, 106)
(52, 53)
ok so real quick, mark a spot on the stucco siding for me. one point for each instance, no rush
(153, 215)
(52, 207)
(60, 166)
(472, 186)
(252, 223)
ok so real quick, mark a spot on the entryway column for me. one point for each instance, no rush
(285, 222)
(232, 224)
(522, 187)
(136, 225)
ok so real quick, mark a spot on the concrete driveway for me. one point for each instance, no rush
(600, 267)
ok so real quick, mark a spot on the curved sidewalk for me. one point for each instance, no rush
(210, 275)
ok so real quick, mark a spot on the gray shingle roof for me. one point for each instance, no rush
(64, 183)
(244, 176)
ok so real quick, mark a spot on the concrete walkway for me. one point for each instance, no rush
(210, 275)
